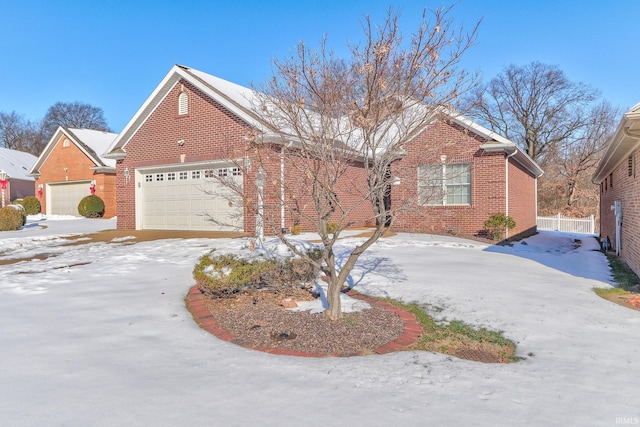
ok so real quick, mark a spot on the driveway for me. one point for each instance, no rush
(97, 334)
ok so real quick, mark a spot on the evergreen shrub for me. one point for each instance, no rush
(91, 207)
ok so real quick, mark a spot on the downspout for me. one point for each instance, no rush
(282, 224)
(506, 200)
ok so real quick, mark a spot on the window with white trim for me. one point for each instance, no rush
(183, 175)
(209, 173)
(159, 177)
(148, 178)
(183, 103)
(236, 172)
(445, 184)
(171, 176)
(195, 174)
(223, 172)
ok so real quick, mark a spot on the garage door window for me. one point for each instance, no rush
(171, 176)
(148, 178)
(195, 175)
(184, 175)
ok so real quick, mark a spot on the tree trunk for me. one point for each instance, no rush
(334, 312)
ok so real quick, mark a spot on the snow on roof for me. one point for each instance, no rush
(16, 163)
(241, 95)
(98, 141)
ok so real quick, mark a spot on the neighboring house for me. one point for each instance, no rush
(195, 127)
(619, 182)
(461, 173)
(71, 167)
(16, 165)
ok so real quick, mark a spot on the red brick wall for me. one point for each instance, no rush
(18, 189)
(522, 199)
(352, 208)
(78, 167)
(626, 189)
(209, 131)
(488, 192)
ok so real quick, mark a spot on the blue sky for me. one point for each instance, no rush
(112, 54)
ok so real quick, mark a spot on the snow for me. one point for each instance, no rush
(16, 164)
(99, 141)
(99, 335)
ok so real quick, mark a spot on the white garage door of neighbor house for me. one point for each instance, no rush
(190, 200)
(64, 198)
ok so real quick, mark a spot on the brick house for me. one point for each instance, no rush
(619, 183)
(195, 127)
(71, 167)
(188, 135)
(17, 183)
(460, 174)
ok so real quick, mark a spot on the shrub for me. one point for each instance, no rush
(296, 229)
(30, 204)
(91, 207)
(331, 227)
(497, 223)
(224, 275)
(12, 217)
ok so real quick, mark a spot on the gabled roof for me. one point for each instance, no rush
(497, 143)
(241, 101)
(625, 140)
(235, 98)
(93, 143)
(16, 164)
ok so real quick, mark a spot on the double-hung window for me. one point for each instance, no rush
(445, 184)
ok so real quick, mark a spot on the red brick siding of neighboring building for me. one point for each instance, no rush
(78, 167)
(619, 185)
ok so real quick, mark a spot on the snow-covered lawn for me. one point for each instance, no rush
(98, 335)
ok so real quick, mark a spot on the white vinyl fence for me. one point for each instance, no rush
(563, 223)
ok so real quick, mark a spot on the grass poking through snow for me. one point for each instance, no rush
(457, 338)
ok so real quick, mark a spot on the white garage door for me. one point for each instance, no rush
(63, 199)
(190, 199)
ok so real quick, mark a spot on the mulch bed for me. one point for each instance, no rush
(259, 321)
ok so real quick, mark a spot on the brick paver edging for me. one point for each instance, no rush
(204, 318)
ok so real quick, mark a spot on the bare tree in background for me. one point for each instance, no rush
(11, 130)
(20, 134)
(74, 115)
(558, 122)
(327, 114)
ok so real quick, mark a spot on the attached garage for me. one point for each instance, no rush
(188, 198)
(63, 198)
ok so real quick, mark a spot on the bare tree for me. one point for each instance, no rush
(558, 122)
(536, 106)
(326, 114)
(20, 134)
(75, 115)
(11, 130)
